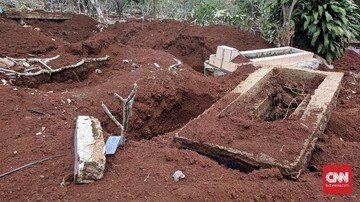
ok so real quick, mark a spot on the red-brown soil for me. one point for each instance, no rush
(277, 134)
(240, 59)
(166, 100)
(78, 28)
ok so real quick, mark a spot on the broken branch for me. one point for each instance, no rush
(49, 70)
(127, 112)
(112, 117)
(176, 65)
(32, 60)
(288, 108)
(27, 165)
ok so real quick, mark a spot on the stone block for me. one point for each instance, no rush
(226, 53)
(228, 66)
(89, 145)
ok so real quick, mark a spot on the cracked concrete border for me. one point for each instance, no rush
(316, 116)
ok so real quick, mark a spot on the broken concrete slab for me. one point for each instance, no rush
(217, 67)
(292, 157)
(226, 53)
(89, 164)
(212, 70)
(222, 64)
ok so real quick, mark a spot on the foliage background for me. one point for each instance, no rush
(262, 17)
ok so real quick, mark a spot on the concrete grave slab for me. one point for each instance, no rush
(244, 142)
(226, 53)
(277, 56)
(89, 145)
(223, 61)
(222, 64)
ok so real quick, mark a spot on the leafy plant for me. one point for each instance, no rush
(206, 12)
(329, 25)
(252, 14)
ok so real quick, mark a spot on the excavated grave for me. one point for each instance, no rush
(272, 119)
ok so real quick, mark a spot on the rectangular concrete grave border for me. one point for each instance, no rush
(316, 114)
(283, 55)
(221, 62)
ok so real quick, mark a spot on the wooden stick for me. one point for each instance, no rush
(50, 70)
(112, 117)
(47, 66)
(174, 66)
(127, 112)
(31, 60)
(76, 76)
(29, 164)
(35, 111)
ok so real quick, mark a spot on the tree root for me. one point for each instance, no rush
(26, 64)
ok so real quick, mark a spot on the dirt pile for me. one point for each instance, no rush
(345, 119)
(167, 98)
(189, 43)
(17, 41)
(76, 29)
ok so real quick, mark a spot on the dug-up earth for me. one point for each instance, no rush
(166, 100)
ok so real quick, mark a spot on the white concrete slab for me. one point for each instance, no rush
(89, 145)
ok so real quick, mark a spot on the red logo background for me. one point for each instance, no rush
(337, 187)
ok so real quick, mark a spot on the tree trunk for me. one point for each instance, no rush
(96, 5)
(154, 6)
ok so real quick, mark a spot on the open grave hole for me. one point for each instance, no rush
(272, 119)
(69, 76)
(159, 114)
(282, 96)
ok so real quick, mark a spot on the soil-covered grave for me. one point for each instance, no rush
(38, 115)
(272, 119)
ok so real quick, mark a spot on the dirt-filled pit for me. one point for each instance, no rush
(263, 121)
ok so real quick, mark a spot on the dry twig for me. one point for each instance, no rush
(44, 62)
(288, 108)
(127, 112)
(176, 65)
(27, 165)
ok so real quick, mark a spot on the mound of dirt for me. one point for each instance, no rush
(17, 41)
(190, 43)
(349, 62)
(345, 119)
(78, 28)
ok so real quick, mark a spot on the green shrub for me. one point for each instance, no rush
(254, 17)
(329, 25)
(208, 12)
